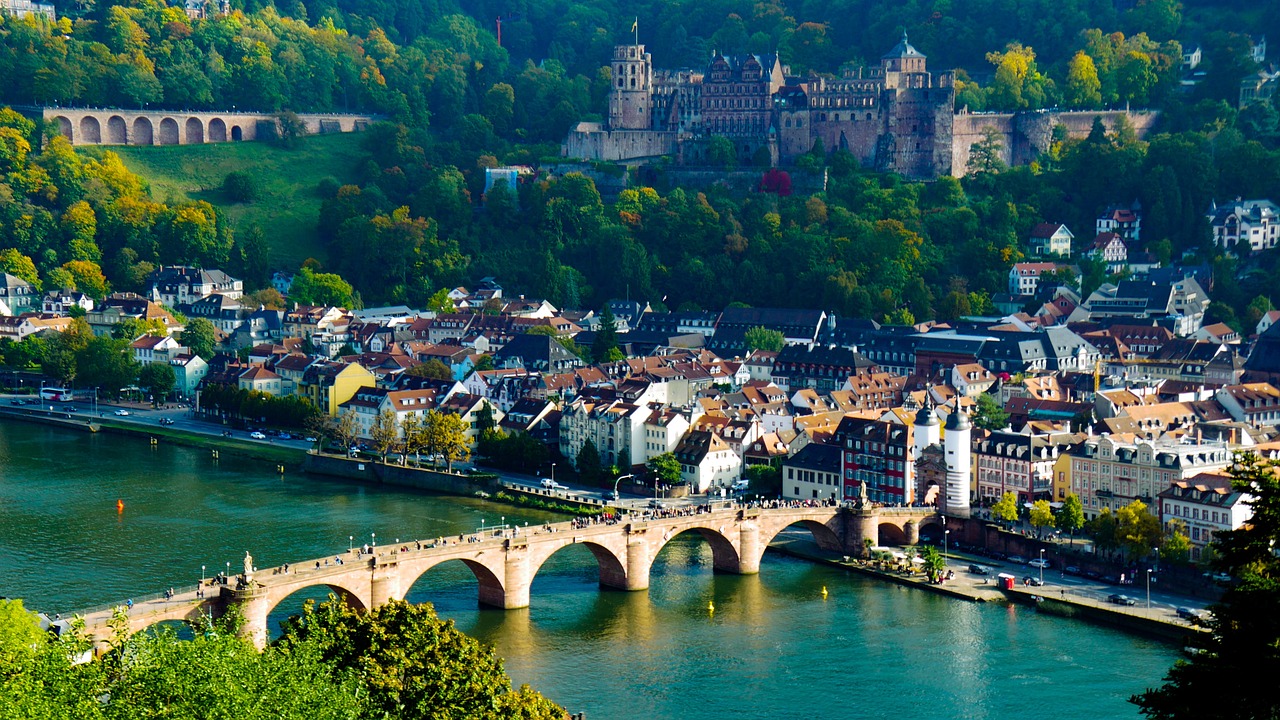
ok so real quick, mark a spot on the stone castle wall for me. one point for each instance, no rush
(1028, 134)
(590, 141)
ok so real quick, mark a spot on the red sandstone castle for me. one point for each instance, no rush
(893, 117)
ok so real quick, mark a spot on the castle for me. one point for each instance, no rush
(893, 117)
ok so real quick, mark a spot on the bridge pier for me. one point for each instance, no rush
(912, 532)
(862, 527)
(749, 550)
(255, 606)
(638, 564)
(385, 585)
(513, 592)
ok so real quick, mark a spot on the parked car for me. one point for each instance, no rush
(1218, 577)
(285, 436)
(1121, 600)
(1031, 580)
(70, 409)
(122, 413)
(552, 484)
(1017, 560)
(166, 421)
(611, 495)
(977, 569)
(257, 435)
(1040, 563)
(1195, 616)
(309, 439)
(1071, 570)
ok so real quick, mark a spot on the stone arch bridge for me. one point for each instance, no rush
(108, 126)
(505, 565)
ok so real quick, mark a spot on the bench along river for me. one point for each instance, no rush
(774, 647)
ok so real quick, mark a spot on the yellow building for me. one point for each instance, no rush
(328, 385)
(1061, 486)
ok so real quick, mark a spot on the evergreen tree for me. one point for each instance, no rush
(605, 348)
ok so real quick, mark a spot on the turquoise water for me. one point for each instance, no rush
(773, 648)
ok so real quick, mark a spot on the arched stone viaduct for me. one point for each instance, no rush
(96, 126)
(505, 566)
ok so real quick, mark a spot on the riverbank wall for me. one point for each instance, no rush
(377, 473)
(1151, 623)
(289, 457)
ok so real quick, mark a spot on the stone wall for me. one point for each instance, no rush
(590, 141)
(1026, 135)
(419, 479)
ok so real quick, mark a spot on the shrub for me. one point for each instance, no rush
(240, 187)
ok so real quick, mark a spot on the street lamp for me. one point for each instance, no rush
(351, 542)
(553, 474)
(1042, 566)
(945, 533)
(201, 575)
(1148, 588)
(373, 537)
(227, 575)
(617, 482)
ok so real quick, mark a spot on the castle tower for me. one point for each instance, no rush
(631, 100)
(958, 453)
(903, 58)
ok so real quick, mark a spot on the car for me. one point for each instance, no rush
(70, 408)
(1218, 577)
(1040, 563)
(1017, 560)
(611, 495)
(257, 435)
(166, 421)
(17, 402)
(740, 486)
(552, 484)
(657, 505)
(1032, 580)
(977, 569)
(285, 436)
(1071, 570)
(1118, 599)
(309, 439)
(122, 413)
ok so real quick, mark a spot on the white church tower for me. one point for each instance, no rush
(958, 448)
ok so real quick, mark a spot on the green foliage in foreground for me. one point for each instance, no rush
(1232, 677)
(332, 663)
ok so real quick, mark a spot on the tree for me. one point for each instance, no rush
(934, 564)
(762, 338)
(605, 347)
(384, 432)
(1177, 545)
(1006, 508)
(1103, 529)
(345, 430)
(447, 436)
(106, 363)
(240, 187)
(411, 664)
(988, 415)
(1137, 530)
(665, 468)
(157, 379)
(21, 266)
(721, 153)
(985, 156)
(1083, 87)
(1240, 650)
(440, 302)
(588, 464)
(1041, 516)
(88, 278)
(201, 336)
(432, 368)
(1071, 515)
(764, 479)
(312, 288)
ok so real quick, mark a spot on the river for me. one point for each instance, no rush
(773, 648)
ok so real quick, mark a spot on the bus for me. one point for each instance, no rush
(55, 394)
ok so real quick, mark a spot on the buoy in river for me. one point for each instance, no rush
(824, 592)
(119, 506)
(711, 607)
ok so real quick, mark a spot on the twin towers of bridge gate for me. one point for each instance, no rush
(943, 458)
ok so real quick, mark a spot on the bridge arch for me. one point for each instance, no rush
(891, 534)
(492, 588)
(65, 128)
(168, 134)
(823, 535)
(237, 133)
(724, 554)
(217, 130)
(612, 567)
(117, 131)
(194, 132)
(90, 130)
(143, 132)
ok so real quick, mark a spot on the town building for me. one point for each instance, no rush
(1201, 507)
(1111, 471)
(179, 285)
(1251, 223)
(1049, 239)
(814, 473)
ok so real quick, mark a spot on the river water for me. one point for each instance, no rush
(773, 648)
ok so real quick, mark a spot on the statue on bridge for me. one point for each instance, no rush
(863, 500)
(248, 566)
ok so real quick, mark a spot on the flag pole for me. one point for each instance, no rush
(635, 26)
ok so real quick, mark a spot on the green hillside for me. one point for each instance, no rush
(287, 203)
